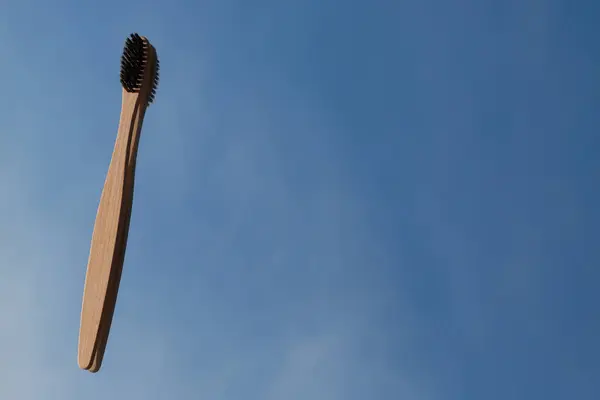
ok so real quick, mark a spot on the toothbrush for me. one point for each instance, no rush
(139, 78)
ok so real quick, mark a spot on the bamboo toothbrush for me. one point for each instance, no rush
(139, 78)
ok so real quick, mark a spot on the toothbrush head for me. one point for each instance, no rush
(139, 66)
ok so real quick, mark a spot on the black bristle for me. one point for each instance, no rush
(155, 81)
(133, 62)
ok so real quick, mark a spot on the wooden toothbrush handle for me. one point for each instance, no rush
(110, 233)
(115, 277)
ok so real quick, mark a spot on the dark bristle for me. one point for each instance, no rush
(133, 62)
(155, 81)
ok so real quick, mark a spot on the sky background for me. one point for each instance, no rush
(334, 200)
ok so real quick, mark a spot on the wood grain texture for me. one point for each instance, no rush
(115, 278)
(109, 238)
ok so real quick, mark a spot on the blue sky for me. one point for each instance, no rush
(334, 200)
